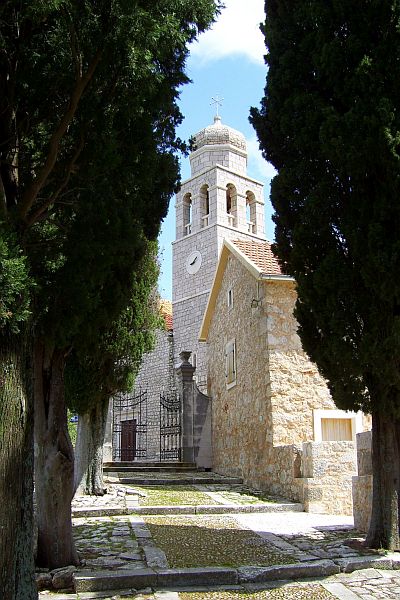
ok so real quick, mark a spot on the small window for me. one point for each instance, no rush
(230, 298)
(336, 425)
(336, 430)
(193, 359)
(230, 364)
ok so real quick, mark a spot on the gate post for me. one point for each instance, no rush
(185, 372)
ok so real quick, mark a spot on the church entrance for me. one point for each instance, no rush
(128, 439)
(147, 428)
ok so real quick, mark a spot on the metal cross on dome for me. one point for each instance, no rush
(218, 102)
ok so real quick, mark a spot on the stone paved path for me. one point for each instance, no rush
(123, 542)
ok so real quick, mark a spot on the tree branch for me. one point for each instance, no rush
(3, 199)
(75, 48)
(31, 192)
(53, 197)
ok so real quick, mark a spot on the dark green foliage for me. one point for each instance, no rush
(15, 283)
(88, 164)
(102, 365)
(330, 124)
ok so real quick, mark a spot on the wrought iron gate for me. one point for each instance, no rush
(170, 427)
(147, 428)
(130, 427)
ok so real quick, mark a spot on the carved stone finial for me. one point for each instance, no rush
(184, 356)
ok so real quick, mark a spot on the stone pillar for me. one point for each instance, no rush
(185, 372)
(363, 482)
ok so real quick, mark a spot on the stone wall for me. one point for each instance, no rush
(263, 426)
(190, 292)
(362, 483)
(222, 154)
(295, 383)
(284, 471)
(326, 483)
(156, 376)
(241, 415)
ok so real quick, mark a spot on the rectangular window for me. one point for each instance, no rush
(336, 430)
(230, 364)
(230, 298)
(336, 425)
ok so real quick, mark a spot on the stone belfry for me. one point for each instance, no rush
(218, 201)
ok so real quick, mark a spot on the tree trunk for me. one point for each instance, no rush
(54, 461)
(89, 450)
(17, 569)
(384, 527)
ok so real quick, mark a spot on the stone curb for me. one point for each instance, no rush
(161, 578)
(348, 565)
(203, 509)
(320, 568)
(154, 578)
(102, 511)
(97, 581)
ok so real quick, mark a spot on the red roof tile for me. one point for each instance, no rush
(260, 254)
(166, 313)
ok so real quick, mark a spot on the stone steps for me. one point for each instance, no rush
(164, 481)
(151, 467)
(200, 509)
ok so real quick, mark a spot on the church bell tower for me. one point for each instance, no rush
(218, 201)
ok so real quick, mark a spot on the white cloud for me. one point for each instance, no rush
(236, 32)
(257, 163)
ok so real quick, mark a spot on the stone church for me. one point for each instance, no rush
(257, 400)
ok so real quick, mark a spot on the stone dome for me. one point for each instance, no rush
(218, 134)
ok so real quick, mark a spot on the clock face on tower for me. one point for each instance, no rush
(193, 262)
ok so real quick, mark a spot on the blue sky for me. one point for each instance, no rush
(226, 61)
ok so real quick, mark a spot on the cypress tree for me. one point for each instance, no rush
(329, 122)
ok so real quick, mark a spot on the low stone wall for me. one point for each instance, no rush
(283, 471)
(327, 471)
(317, 474)
(362, 483)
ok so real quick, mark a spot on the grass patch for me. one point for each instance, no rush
(246, 497)
(208, 541)
(173, 495)
(285, 592)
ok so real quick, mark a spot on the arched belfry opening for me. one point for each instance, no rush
(231, 204)
(187, 214)
(204, 205)
(251, 212)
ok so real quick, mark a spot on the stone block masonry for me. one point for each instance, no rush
(263, 425)
(362, 483)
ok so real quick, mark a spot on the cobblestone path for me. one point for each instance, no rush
(123, 542)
